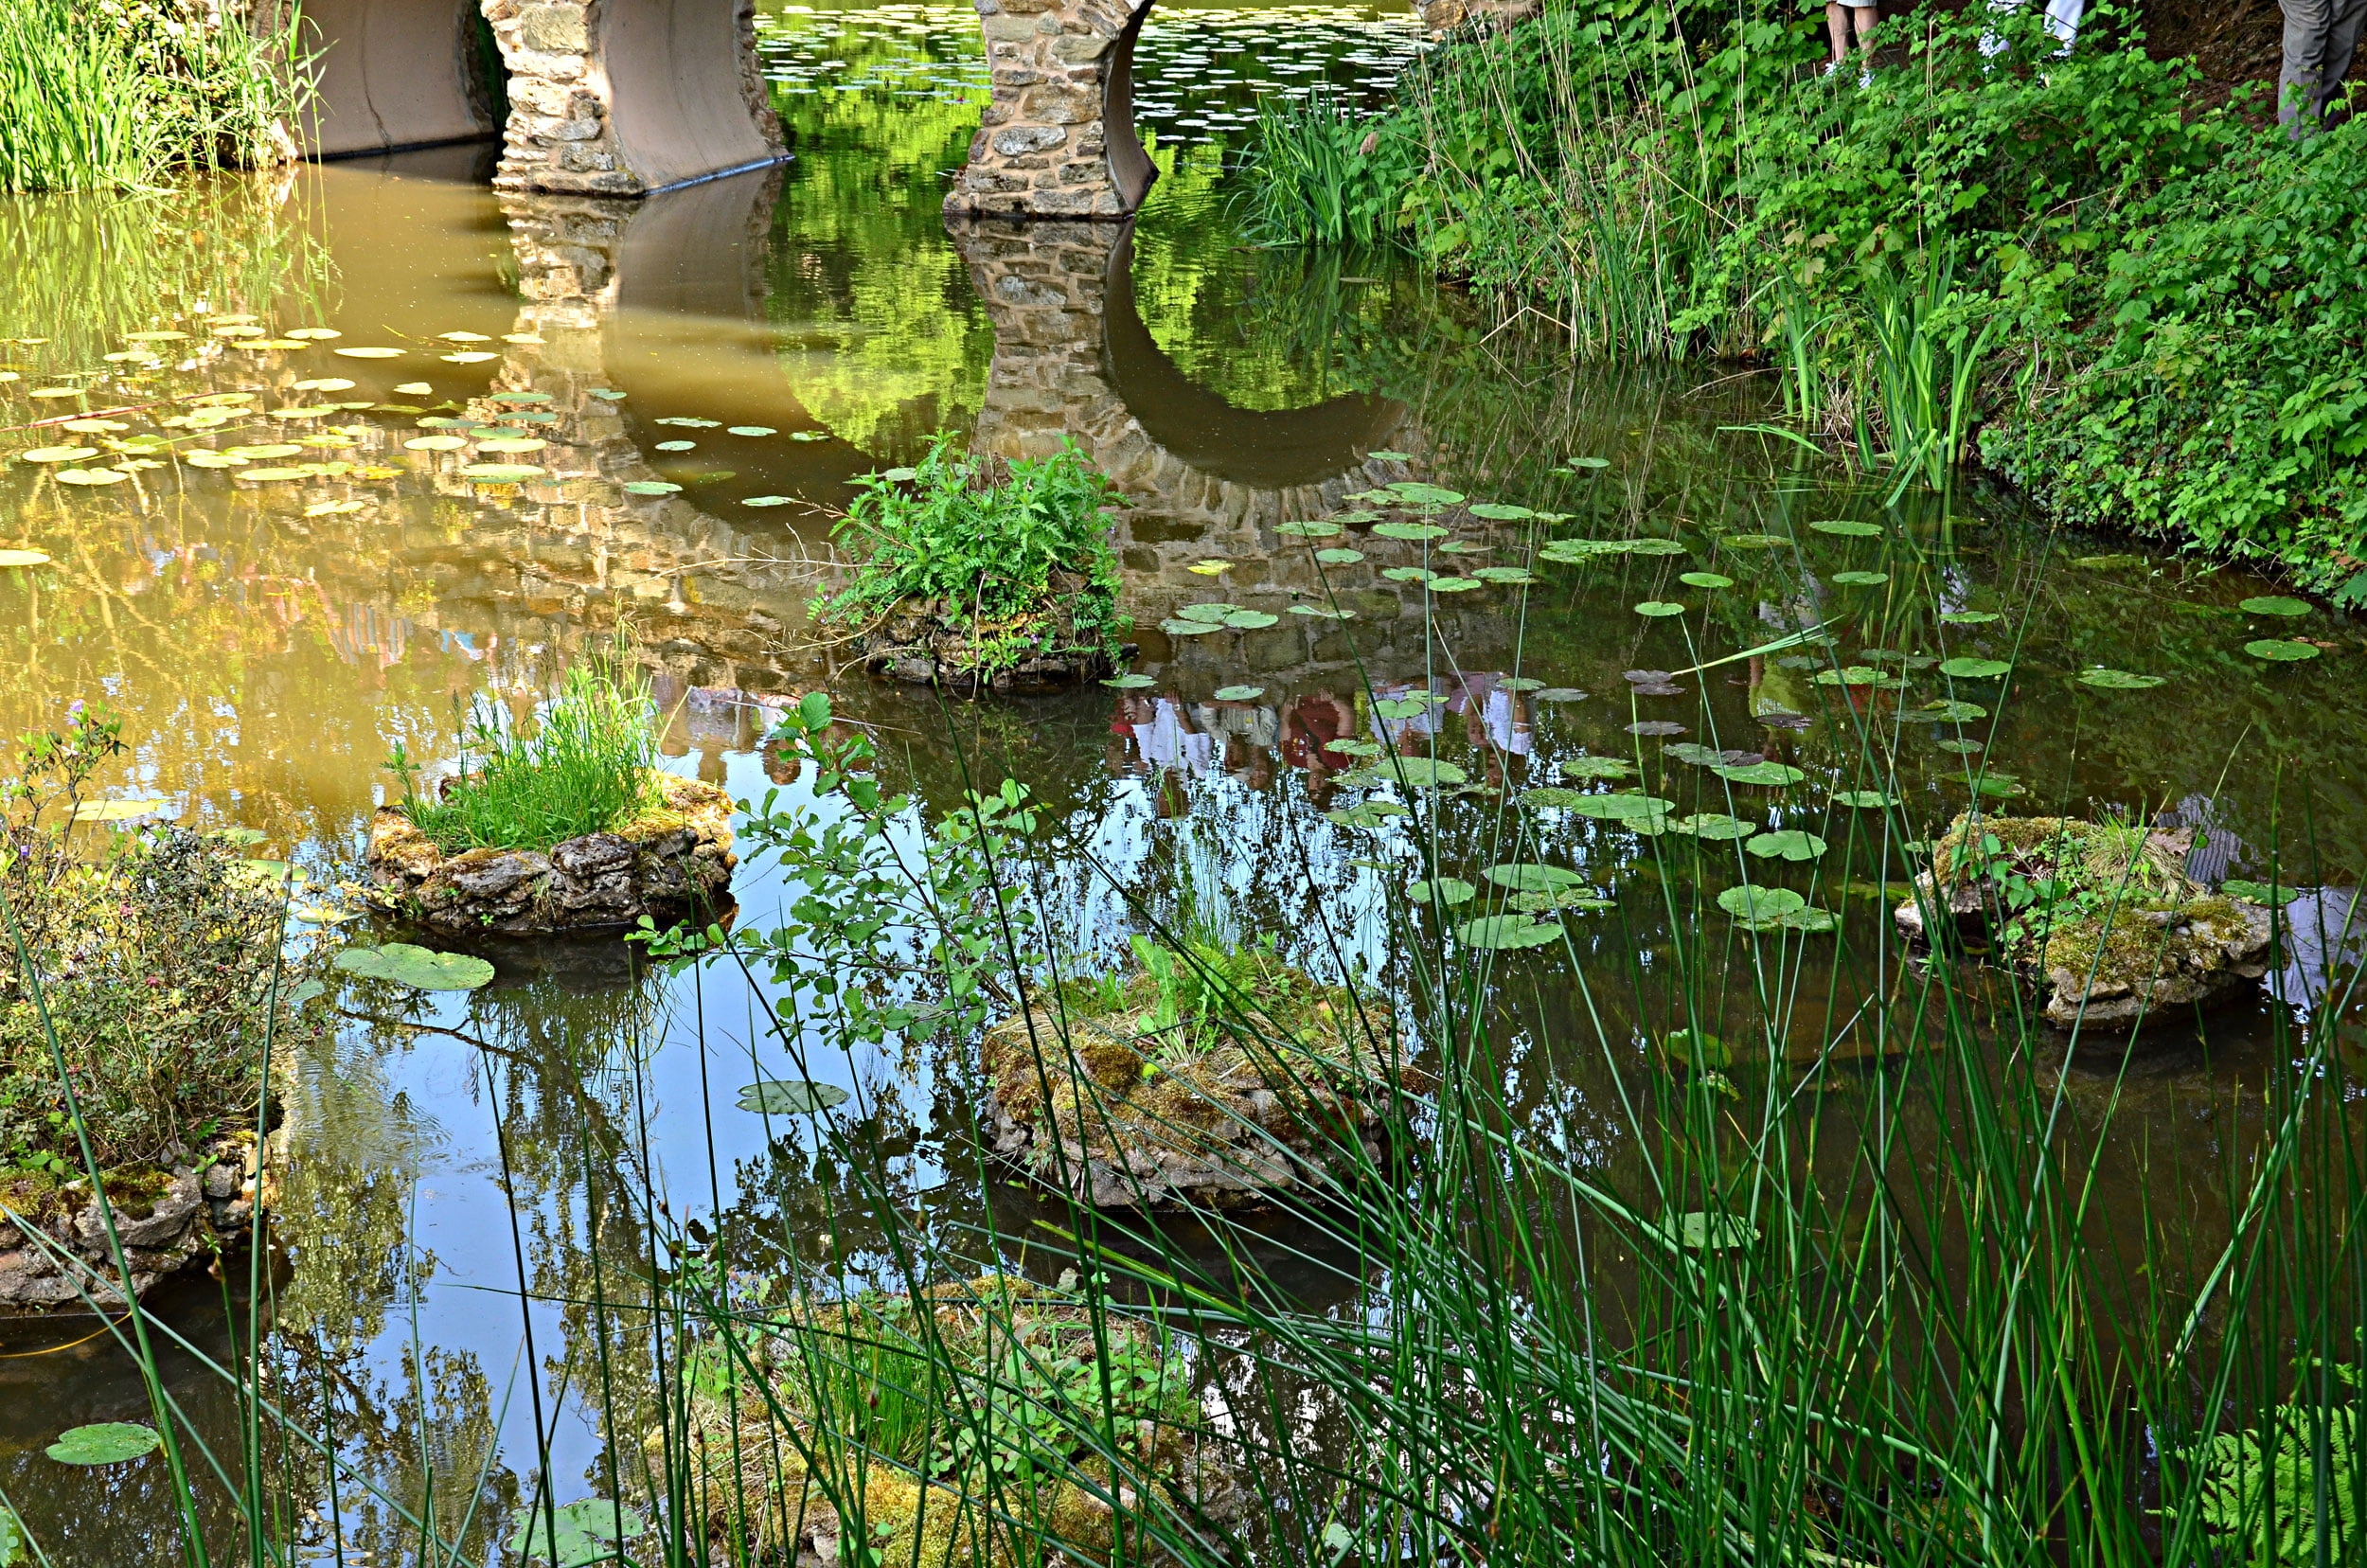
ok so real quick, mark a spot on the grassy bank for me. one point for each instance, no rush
(2138, 308)
(125, 96)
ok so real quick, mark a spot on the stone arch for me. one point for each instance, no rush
(1058, 139)
(606, 97)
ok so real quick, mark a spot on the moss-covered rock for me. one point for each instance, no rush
(671, 861)
(884, 1424)
(1216, 1077)
(2102, 914)
(939, 642)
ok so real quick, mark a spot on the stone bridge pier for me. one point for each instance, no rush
(1058, 139)
(606, 97)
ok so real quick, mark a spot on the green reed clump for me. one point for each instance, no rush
(121, 95)
(1325, 176)
(583, 766)
(1015, 555)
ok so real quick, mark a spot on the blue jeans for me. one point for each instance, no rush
(2320, 37)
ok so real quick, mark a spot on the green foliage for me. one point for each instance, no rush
(2299, 1494)
(121, 95)
(1322, 174)
(583, 768)
(1017, 552)
(157, 956)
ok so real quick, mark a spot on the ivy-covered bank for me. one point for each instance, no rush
(2140, 306)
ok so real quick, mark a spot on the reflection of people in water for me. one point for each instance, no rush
(1165, 737)
(1309, 726)
(1493, 718)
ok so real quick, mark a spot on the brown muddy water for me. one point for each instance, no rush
(269, 639)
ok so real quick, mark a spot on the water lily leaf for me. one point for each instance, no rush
(1251, 620)
(22, 558)
(1509, 577)
(1422, 773)
(1212, 613)
(436, 443)
(1130, 682)
(1413, 492)
(1705, 580)
(791, 1096)
(1654, 546)
(1323, 612)
(1523, 877)
(2274, 604)
(1753, 540)
(811, 435)
(1446, 892)
(1409, 530)
(1946, 713)
(1790, 844)
(1178, 628)
(1313, 529)
(58, 453)
(371, 353)
(117, 810)
(1340, 556)
(1595, 767)
(766, 501)
(1846, 529)
(1858, 675)
(1704, 1231)
(678, 446)
(2259, 893)
(650, 487)
(1759, 903)
(2118, 680)
(750, 430)
(1974, 669)
(605, 394)
(1239, 693)
(105, 1443)
(1559, 899)
(2280, 651)
(1623, 807)
(1861, 579)
(1389, 456)
(92, 476)
(1409, 574)
(1713, 826)
(507, 397)
(1498, 512)
(1777, 775)
(1865, 800)
(1589, 463)
(499, 473)
(1451, 584)
(589, 1530)
(1657, 608)
(1967, 618)
(1500, 933)
(512, 445)
(1553, 797)
(416, 967)
(1561, 694)
(1370, 813)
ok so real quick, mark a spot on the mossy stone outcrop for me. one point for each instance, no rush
(2123, 934)
(167, 1220)
(672, 862)
(1126, 1109)
(937, 642)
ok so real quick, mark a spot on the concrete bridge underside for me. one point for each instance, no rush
(608, 97)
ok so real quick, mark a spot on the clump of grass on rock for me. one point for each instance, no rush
(978, 569)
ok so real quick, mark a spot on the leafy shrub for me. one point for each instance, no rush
(2297, 1494)
(157, 958)
(122, 95)
(1018, 551)
(583, 768)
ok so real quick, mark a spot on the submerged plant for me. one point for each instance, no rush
(583, 767)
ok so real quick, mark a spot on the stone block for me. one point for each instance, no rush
(1021, 140)
(555, 29)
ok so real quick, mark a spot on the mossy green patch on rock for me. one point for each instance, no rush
(2104, 913)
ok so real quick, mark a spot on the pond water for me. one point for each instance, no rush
(706, 372)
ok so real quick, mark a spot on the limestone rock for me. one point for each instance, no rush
(673, 863)
(189, 1218)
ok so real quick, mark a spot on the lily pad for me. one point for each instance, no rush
(58, 453)
(1946, 713)
(1759, 903)
(1967, 618)
(1704, 1231)
(1409, 530)
(1320, 612)
(1308, 529)
(1857, 675)
(1409, 574)
(1753, 540)
(499, 473)
(750, 430)
(1130, 682)
(1561, 694)
(1239, 693)
(1446, 892)
(1422, 773)
(1865, 800)
(1861, 579)
(371, 353)
(1251, 620)
(1498, 512)
(1595, 767)
(1846, 529)
(416, 967)
(791, 1096)
(1655, 546)
(105, 1443)
(1452, 584)
(766, 501)
(1497, 933)
(2118, 680)
(1340, 556)
(588, 1532)
(1414, 493)
(1523, 877)
(2259, 893)
(1623, 807)
(1658, 608)
(1705, 580)
(117, 810)
(2274, 604)
(436, 443)
(92, 476)
(650, 487)
(1553, 797)
(1974, 669)
(1789, 844)
(1508, 576)
(1777, 775)
(1176, 627)
(1713, 826)
(22, 558)
(2281, 649)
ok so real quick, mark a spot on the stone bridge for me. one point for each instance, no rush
(609, 98)
(1058, 139)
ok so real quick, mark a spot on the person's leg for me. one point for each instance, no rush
(2301, 79)
(1837, 28)
(2341, 43)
